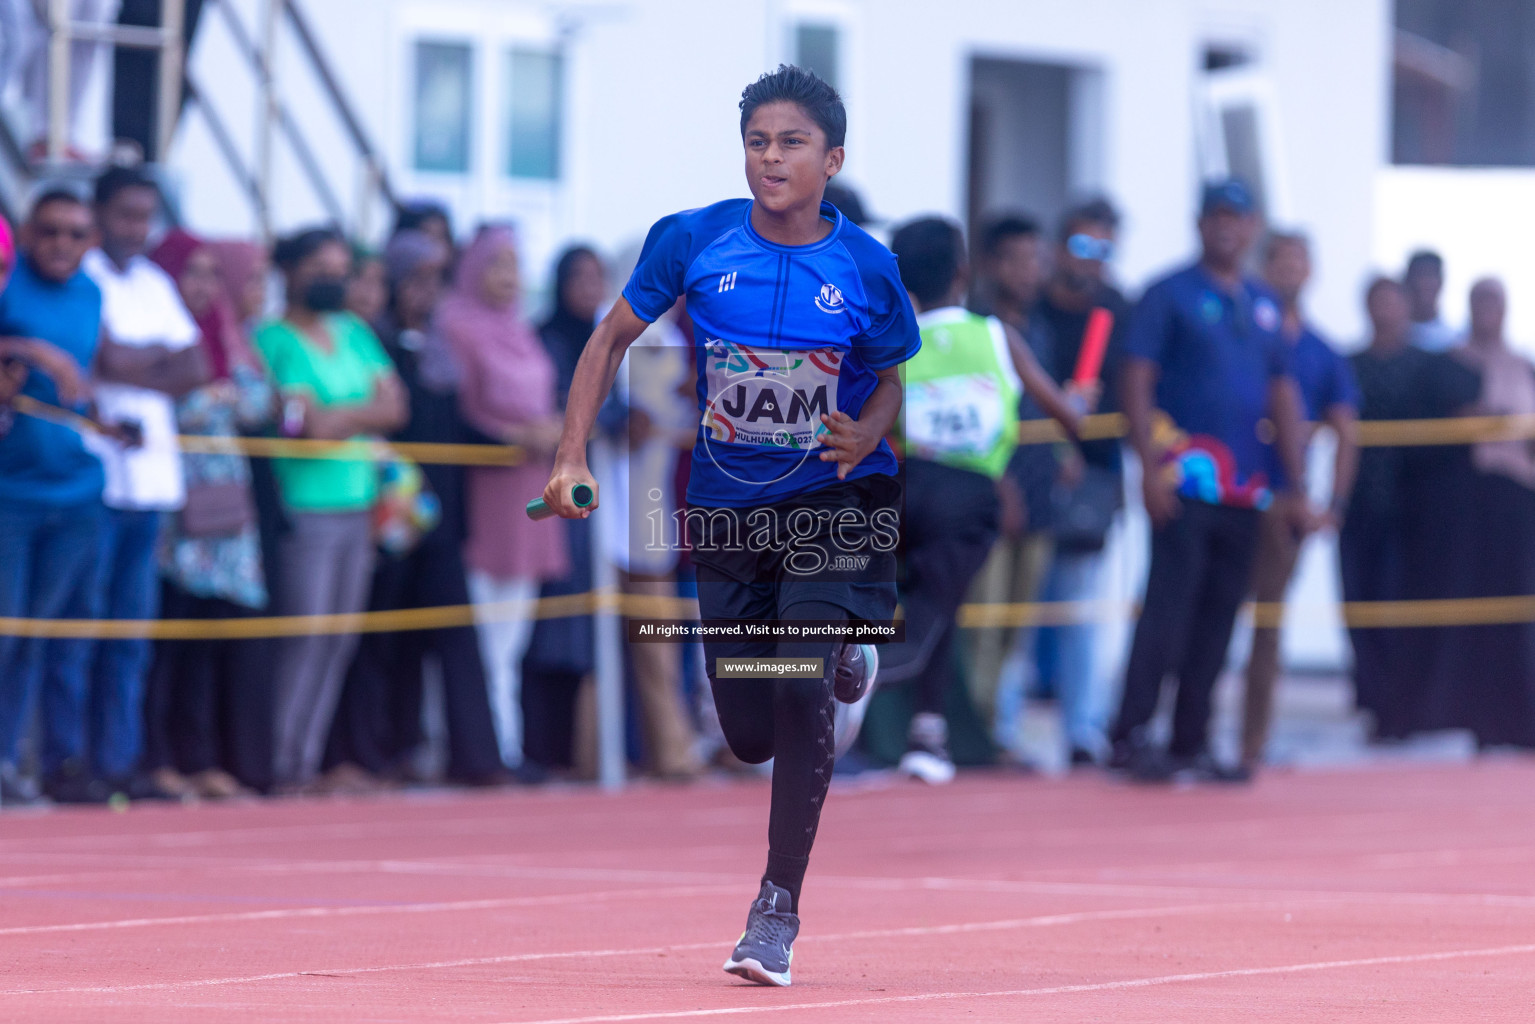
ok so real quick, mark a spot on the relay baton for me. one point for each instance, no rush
(580, 494)
(1095, 343)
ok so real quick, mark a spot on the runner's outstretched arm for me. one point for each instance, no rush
(593, 379)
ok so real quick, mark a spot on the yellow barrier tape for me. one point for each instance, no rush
(425, 453)
(397, 621)
(1098, 427)
(1477, 611)
(1372, 433)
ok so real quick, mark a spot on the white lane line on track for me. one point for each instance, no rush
(1019, 993)
(491, 822)
(722, 882)
(1009, 924)
(506, 903)
(876, 883)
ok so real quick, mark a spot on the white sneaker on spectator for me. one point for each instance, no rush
(927, 750)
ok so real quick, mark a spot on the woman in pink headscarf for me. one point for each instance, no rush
(506, 390)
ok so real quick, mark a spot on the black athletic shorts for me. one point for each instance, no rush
(834, 545)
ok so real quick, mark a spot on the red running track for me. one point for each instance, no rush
(1403, 894)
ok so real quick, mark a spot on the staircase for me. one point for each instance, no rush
(250, 155)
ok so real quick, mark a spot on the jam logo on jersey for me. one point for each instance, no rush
(770, 397)
(830, 299)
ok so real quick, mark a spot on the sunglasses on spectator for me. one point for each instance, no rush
(1086, 247)
(53, 231)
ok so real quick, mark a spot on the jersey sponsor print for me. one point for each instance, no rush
(759, 396)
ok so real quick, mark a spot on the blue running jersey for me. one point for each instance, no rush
(782, 334)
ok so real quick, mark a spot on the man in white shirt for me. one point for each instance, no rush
(149, 355)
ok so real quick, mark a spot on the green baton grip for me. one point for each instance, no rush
(580, 494)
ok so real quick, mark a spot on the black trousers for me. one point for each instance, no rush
(378, 721)
(951, 523)
(1201, 567)
(1372, 561)
(210, 703)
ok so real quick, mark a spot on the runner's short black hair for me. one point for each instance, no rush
(1008, 225)
(115, 180)
(790, 84)
(929, 252)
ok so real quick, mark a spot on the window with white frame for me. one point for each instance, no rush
(534, 111)
(443, 91)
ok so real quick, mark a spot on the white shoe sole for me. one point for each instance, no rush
(849, 717)
(751, 970)
(934, 771)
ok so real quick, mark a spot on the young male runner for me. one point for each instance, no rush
(801, 323)
(960, 430)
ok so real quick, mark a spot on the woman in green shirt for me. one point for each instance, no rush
(337, 383)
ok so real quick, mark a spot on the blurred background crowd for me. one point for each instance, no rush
(144, 323)
(168, 342)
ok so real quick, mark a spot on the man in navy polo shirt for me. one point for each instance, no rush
(1330, 396)
(1206, 376)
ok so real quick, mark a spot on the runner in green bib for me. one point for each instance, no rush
(962, 393)
(958, 428)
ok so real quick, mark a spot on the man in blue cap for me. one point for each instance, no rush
(1206, 381)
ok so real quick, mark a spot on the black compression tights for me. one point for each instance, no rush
(789, 720)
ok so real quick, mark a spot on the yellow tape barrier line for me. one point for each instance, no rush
(402, 620)
(1478, 611)
(424, 453)
(1101, 426)
(1372, 433)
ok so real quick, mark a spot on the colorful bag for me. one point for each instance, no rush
(407, 510)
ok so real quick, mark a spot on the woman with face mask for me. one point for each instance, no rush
(336, 383)
(506, 390)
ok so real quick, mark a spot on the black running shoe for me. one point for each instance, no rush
(766, 947)
(1151, 765)
(73, 783)
(1205, 768)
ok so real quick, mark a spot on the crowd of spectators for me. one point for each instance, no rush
(132, 358)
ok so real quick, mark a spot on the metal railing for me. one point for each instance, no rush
(167, 39)
(253, 173)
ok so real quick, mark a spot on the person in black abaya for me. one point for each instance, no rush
(560, 654)
(1488, 676)
(378, 723)
(1404, 520)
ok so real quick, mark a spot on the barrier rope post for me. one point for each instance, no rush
(609, 652)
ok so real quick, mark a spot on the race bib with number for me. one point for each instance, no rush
(772, 397)
(953, 415)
